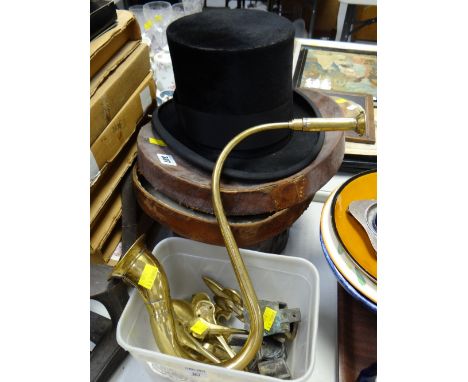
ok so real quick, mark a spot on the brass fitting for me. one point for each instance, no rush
(249, 297)
(358, 124)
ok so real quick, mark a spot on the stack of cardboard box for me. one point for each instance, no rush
(122, 93)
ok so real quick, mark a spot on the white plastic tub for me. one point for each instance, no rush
(275, 277)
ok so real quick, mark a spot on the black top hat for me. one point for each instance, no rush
(233, 70)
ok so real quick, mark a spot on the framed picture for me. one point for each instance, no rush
(347, 103)
(336, 66)
(347, 72)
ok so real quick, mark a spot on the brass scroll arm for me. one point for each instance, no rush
(254, 340)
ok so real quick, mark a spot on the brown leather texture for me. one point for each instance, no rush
(191, 186)
(195, 225)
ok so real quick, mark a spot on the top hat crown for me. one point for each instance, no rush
(233, 71)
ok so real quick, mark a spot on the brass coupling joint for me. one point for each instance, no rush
(357, 124)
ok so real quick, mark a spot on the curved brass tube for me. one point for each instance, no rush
(254, 340)
(168, 329)
(157, 299)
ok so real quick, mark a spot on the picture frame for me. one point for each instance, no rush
(335, 66)
(359, 155)
(347, 102)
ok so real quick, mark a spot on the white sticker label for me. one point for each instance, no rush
(116, 255)
(166, 159)
(145, 98)
(197, 373)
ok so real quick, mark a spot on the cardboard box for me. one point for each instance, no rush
(101, 233)
(112, 242)
(113, 85)
(105, 254)
(102, 193)
(120, 129)
(116, 254)
(103, 47)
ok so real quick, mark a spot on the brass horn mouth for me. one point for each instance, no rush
(141, 269)
(126, 261)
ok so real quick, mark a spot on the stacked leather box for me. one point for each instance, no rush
(122, 91)
(176, 193)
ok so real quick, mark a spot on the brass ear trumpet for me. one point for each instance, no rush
(254, 340)
(131, 267)
(169, 333)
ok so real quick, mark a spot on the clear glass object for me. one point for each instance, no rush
(178, 11)
(137, 11)
(158, 15)
(192, 6)
(145, 29)
(163, 72)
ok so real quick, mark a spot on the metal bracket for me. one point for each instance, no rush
(283, 319)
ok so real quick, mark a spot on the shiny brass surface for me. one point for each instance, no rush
(215, 348)
(186, 339)
(225, 307)
(213, 329)
(219, 290)
(168, 328)
(157, 298)
(197, 297)
(225, 346)
(227, 300)
(206, 310)
(171, 320)
(183, 310)
(249, 297)
(358, 124)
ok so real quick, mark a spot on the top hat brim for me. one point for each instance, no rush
(300, 149)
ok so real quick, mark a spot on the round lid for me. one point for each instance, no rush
(350, 276)
(350, 232)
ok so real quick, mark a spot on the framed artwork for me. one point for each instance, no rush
(336, 66)
(347, 103)
(348, 73)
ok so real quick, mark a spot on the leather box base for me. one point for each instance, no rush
(195, 225)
